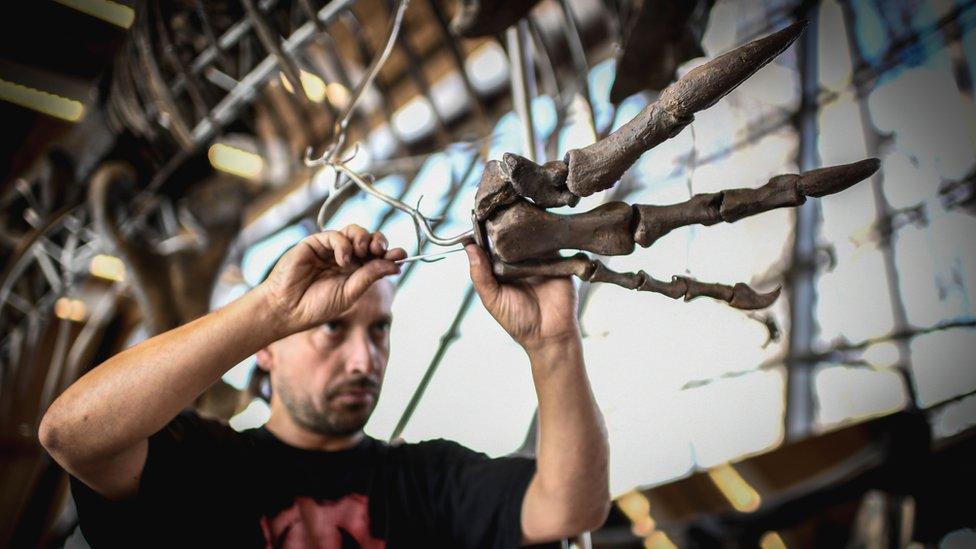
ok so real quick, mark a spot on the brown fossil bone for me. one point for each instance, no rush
(659, 37)
(525, 240)
(740, 296)
(598, 166)
(733, 204)
(495, 191)
(503, 183)
(545, 185)
(523, 231)
(476, 18)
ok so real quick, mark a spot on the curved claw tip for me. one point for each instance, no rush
(744, 297)
(704, 85)
(833, 179)
(874, 164)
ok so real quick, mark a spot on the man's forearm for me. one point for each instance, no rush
(572, 458)
(135, 393)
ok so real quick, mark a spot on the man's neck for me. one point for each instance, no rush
(282, 426)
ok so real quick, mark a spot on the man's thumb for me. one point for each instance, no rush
(362, 278)
(481, 275)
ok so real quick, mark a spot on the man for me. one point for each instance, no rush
(146, 474)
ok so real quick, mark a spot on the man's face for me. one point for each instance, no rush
(329, 377)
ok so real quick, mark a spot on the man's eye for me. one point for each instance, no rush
(331, 327)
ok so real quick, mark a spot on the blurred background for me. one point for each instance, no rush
(152, 170)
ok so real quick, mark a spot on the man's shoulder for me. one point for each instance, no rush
(440, 446)
(191, 429)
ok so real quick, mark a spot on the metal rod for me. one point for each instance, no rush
(226, 41)
(578, 52)
(415, 70)
(458, 58)
(449, 337)
(408, 259)
(339, 135)
(421, 223)
(800, 404)
(884, 211)
(226, 111)
(516, 37)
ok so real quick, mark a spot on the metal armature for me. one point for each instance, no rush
(330, 156)
(342, 122)
(525, 240)
(421, 222)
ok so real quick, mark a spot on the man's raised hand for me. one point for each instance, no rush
(537, 312)
(324, 274)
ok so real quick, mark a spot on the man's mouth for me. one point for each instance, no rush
(355, 395)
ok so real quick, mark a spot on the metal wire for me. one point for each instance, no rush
(339, 137)
(342, 123)
(421, 223)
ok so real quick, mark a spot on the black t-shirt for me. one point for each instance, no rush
(205, 484)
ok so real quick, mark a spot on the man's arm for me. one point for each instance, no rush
(99, 427)
(569, 492)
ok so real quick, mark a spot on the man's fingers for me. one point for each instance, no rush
(360, 239)
(395, 254)
(332, 243)
(378, 244)
(484, 281)
(363, 277)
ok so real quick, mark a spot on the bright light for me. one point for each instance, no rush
(851, 393)
(833, 51)
(106, 10)
(108, 267)
(255, 415)
(239, 376)
(414, 119)
(487, 67)
(743, 497)
(70, 309)
(235, 161)
(659, 540)
(41, 101)
(637, 508)
(942, 365)
(338, 94)
(884, 354)
(317, 90)
(771, 540)
(954, 418)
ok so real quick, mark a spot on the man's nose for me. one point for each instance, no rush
(360, 354)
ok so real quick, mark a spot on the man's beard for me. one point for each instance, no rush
(333, 419)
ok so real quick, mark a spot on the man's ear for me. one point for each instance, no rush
(265, 359)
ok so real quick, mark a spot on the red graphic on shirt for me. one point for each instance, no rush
(339, 524)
